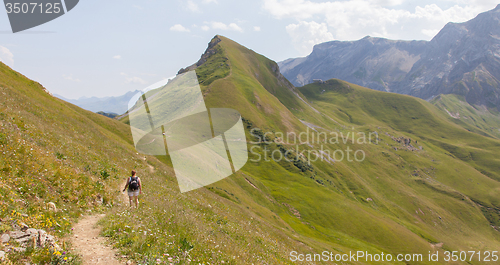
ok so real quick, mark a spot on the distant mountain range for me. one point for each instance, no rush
(462, 59)
(117, 105)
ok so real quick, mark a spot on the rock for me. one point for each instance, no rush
(56, 246)
(17, 234)
(16, 227)
(2, 256)
(42, 238)
(19, 249)
(32, 231)
(52, 206)
(23, 239)
(129, 262)
(99, 199)
(23, 226)
(5, 238)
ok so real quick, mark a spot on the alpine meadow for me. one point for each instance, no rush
(332, 166)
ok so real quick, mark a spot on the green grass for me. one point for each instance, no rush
(53, 151)
(400, 199)
(418, 197)
(468, 116)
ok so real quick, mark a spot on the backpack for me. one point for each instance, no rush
(134, 183)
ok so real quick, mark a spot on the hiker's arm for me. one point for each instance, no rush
(126, 185)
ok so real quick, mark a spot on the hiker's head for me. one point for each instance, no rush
(133, 173)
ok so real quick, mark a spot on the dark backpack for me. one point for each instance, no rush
(134, 183)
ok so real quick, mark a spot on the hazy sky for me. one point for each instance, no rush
(105, 48)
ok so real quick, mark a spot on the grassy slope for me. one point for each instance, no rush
(397, 201)
(417, 197)
(455, 169)
(470, 117)
(55, 151)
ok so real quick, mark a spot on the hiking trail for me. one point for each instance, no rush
(90, 245)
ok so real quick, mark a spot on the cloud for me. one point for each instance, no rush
(135, 80)
(430, 32)
(118, 57)
(205, 27)
(354, 19)
(209, 1)
(6, 56)
(193, 7)
(306, 34)
(179, 28)
(71, 78)
(222, 26)
(256, 28)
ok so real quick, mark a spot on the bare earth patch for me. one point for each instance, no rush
(90, 245)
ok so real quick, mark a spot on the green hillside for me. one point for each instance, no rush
(424, 184)
(53, 151)
(409, 197)
(401, 199)
(461, 112)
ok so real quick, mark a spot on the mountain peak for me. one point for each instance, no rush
(211, 49)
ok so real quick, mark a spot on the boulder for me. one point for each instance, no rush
(32, 232)
(52, 206)
(23, 226)
(5, 238)
(18, 234)
(42, 238)
(19, 249)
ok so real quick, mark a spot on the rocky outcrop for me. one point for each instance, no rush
(22, 237)
(462, 59)
(371, 62)
(204, 57)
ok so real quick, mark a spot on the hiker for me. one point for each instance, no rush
(134, 189)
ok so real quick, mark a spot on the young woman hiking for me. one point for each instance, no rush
(134, 189)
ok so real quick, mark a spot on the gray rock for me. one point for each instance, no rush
(18, 234)
(2, 256)
(5, 238)
(23, 226)
(32, 232)
(42, 238)
(19, 249)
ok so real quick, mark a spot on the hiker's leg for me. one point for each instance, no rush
(136, 199)
(130, 200)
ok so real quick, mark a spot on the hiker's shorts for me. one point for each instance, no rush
(132, 193)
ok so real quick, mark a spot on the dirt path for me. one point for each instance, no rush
(90, 245)
(87, 242)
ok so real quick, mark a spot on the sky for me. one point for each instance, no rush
(107, 48)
